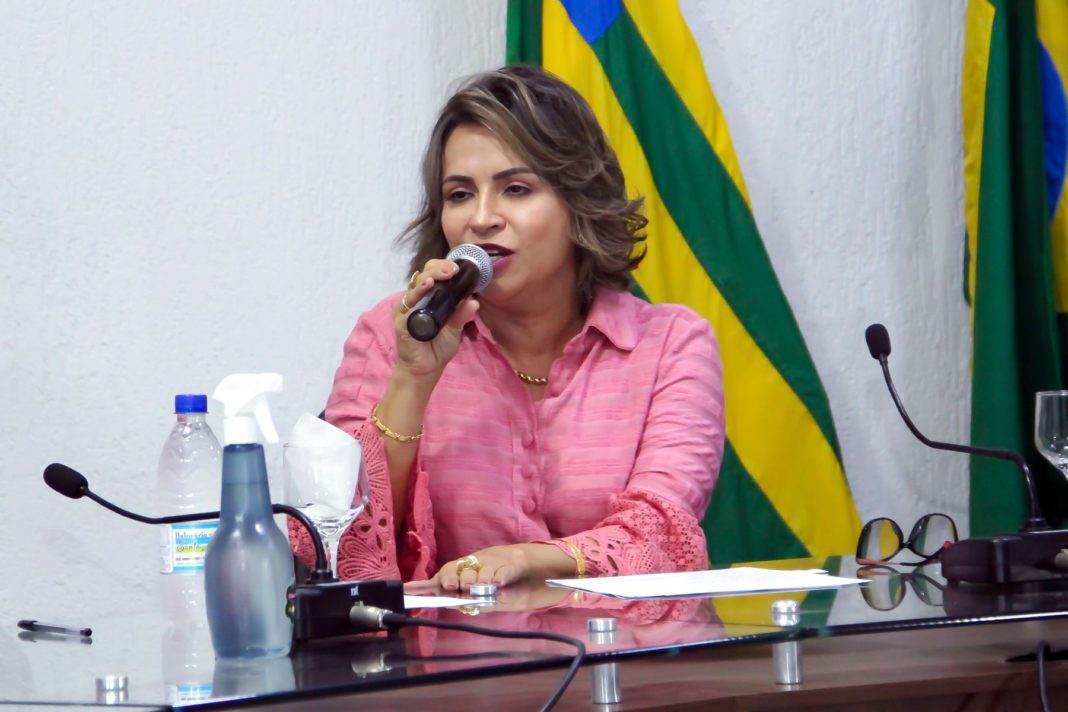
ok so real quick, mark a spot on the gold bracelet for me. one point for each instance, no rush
(385, 430)
(580, 560)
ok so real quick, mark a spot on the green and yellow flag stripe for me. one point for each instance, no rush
(1013, 100)
(782, 490)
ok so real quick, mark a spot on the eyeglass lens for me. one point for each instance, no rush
(931, 533)
(880, 540)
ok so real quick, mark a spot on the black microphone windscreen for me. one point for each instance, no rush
(65, 480)
(878, 341)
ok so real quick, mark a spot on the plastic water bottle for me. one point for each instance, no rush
(188, 482)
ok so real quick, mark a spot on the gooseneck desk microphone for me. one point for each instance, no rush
(71, 483)
(324, 607)
(319, 606)
(1032, 554)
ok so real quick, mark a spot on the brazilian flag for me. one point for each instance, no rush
(1014, 80)
(782, 491)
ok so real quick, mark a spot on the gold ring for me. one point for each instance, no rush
(404, 304)
(468, 562)
(411, 280)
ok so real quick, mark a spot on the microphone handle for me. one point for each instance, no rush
(430, 313)
(317, 541)
(1035, 521)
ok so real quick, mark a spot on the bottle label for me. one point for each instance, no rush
(187, 693)
(182, 546)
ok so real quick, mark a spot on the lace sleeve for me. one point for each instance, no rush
(368, 548)
(643, 533)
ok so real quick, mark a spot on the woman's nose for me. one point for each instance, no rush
(487, 216)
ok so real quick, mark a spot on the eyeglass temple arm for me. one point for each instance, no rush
(1035, 520)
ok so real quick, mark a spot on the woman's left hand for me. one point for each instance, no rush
(500, 565)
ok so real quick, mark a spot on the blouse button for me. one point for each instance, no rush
(528, 439)
(530, 505)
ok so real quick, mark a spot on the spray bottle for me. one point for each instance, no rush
(248, 567)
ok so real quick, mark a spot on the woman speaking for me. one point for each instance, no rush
(557, 425)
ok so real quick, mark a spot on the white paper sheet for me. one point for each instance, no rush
(744, 579)
(440, 602)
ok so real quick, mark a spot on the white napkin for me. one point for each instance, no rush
(323, 464)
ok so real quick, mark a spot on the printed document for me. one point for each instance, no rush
(720, 582)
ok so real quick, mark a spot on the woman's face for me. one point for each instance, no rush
(491, 199)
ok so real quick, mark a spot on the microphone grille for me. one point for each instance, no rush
(65, 480)
(878, 340)
(479, 257)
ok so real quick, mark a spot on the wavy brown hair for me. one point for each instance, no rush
(553, 130)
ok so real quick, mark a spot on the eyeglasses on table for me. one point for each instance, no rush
(881, 539)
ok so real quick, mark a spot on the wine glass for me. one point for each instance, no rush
(329, 485)
(1051, 428)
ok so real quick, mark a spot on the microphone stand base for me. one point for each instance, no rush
(321, 610)
(1008, 558)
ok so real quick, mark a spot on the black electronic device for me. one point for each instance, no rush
(1035, 553)
(321, 610)
(319, 605)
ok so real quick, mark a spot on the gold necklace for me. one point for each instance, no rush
(532, 380)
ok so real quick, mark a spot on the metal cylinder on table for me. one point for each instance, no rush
(605, 685)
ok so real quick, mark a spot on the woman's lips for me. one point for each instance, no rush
(501, 256)
(500, 262)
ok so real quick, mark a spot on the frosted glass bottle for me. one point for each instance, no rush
(249, 567)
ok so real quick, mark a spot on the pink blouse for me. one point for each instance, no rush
(619, 456)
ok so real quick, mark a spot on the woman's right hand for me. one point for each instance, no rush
(427, 359)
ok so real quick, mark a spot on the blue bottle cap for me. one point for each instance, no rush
(191, 403)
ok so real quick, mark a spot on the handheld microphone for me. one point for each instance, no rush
(319, 607)
(430, 313)
(1030, 554)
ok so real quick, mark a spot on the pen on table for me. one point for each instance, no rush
(39, 627)
(33, 637)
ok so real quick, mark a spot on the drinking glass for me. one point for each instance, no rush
(1051, 428)
(328, 484)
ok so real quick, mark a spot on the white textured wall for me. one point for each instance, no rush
(191, 190)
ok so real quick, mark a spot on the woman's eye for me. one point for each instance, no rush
(457, 196)
(517, 189)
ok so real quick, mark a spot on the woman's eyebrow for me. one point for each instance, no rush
(511, 172)
(507, 173)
